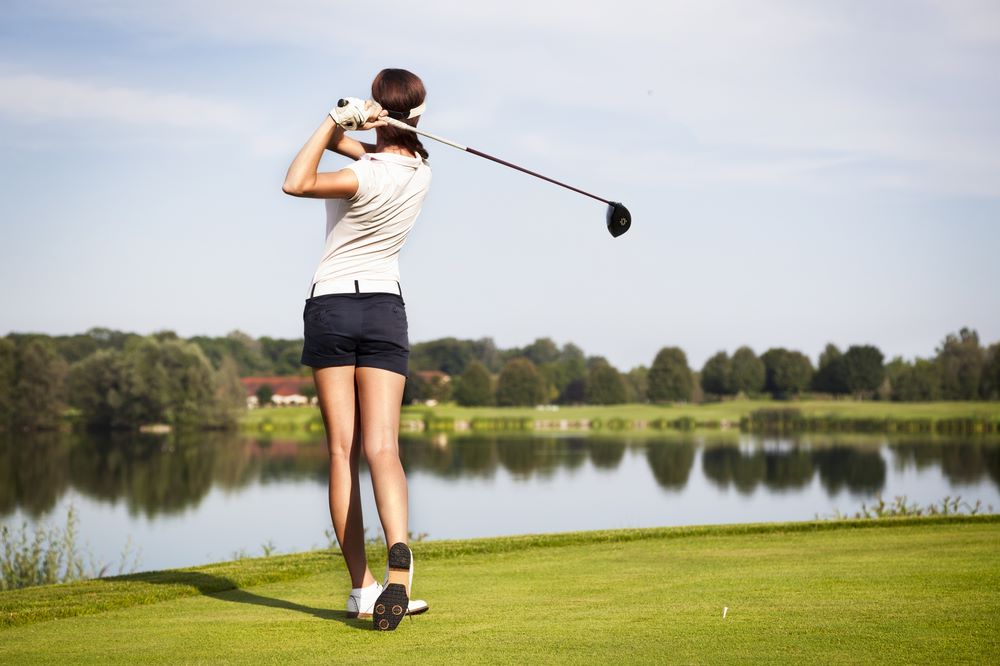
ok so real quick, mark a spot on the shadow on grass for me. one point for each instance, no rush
(225, 589)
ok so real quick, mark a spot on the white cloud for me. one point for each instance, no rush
(37, 98)
(909, 87)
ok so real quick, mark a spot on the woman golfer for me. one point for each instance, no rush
(355, 323)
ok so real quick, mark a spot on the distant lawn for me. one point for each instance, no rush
(732, 411)
(890, 592)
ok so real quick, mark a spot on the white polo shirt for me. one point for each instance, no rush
(365, 233)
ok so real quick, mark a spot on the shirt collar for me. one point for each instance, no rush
(396, 158)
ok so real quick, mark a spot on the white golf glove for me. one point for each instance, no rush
(351, 113)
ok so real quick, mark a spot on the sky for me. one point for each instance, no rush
(798, 173)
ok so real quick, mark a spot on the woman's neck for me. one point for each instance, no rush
(389, 148)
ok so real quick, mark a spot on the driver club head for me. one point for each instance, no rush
(619, 219)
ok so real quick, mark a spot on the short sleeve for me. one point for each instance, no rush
(363, 170)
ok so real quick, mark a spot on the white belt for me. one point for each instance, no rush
(355, 287)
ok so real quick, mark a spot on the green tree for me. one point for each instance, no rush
(519, 384)
(670, 376)
(787, 373)
(282, 356)
(168, 381)
(831, 376)
(8, 361)
(991, 373)
(748, 373)
(604, 385)
(264, 394)
(231, 397)
(572, 365)
(449, 355)
(415, 389)
(106, 338)
(39, 388)
(893, 370)
(717, 374)
(920, 381)
(155, 379)
(75, 348)
(961, 360)
(554, 380)
(637, 384)
(95, 388)
(475, 386)
(863, 369)
(438, 387)
(541, 351)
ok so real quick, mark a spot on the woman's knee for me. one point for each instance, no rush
(381, 450)
(341, 446)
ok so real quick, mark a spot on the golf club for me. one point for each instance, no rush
(618, 218)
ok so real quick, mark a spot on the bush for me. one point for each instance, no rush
(49, 555)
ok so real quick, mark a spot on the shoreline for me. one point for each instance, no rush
(738, 415)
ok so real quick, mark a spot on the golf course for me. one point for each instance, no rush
(848, 414)
(896, 590)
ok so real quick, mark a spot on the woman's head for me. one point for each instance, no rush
(399, 90)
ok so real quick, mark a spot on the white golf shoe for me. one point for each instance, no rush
(362, 599)
(395, 593)
(416, 606)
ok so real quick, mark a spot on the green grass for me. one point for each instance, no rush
(889, 591)
(293, 418)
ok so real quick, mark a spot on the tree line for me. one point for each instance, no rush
(542, 372)
(113, 379)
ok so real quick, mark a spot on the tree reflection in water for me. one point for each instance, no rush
(671, 462)
(153, 474)
(607, 453)
(789, 464)
(34, 471)
(960, 462)
(168, 474)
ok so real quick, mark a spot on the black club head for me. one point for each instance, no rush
(619, 219)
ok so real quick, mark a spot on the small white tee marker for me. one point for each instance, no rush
(725, 609)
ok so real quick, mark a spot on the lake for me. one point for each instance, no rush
(185, 500)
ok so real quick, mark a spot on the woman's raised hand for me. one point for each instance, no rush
(375, 113)
(352, 113)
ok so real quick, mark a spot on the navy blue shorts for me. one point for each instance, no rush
(364, 330)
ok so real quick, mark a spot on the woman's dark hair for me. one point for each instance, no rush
(400, 90)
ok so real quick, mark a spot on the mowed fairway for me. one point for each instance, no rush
(910, 591)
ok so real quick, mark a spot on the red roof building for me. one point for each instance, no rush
(432, 376)
(279, 385)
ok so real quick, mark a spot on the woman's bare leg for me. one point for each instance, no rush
(336, 391)
(380, 395)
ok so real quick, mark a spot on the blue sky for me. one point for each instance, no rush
(798, 172)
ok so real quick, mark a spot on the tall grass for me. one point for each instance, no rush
(899, 507)
(45, 555)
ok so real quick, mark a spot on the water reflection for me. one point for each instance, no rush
(607, 453)
(152, 474)
(671, 463)
(168, 475)
(960, 462)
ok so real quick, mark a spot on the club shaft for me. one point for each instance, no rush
(404, 126)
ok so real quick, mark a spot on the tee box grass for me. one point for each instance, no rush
(901, 590)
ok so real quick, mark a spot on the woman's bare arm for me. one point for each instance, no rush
(302, 179)
(344, 145)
